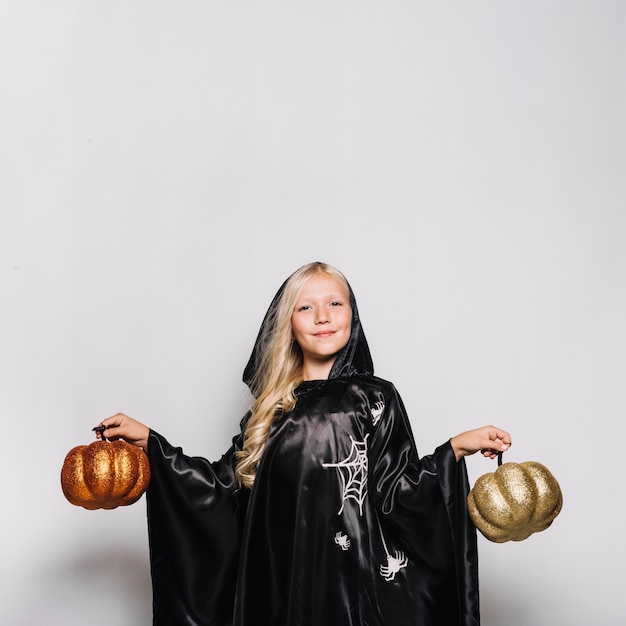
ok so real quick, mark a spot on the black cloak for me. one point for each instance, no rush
(345, 525)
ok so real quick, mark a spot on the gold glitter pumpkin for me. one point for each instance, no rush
(515, 501)
(105, 474)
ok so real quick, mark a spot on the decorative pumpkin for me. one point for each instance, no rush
(515, 501)
(105, 474)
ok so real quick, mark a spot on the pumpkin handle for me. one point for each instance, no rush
(499, 457)
(100, 429)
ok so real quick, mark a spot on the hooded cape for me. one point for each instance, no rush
(345, 524)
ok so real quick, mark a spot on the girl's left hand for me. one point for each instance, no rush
(489, 440)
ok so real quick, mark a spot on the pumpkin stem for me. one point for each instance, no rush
(499, 457)
(100, 429)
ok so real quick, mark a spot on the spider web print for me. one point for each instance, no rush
(353, 474)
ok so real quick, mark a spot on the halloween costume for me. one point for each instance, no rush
(344, 526)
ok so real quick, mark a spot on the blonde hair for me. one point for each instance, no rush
(278, 371)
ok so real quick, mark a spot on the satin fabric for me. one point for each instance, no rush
(345, 525)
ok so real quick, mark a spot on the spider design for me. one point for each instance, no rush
(343, 541)
(377, 412)
(394, 565)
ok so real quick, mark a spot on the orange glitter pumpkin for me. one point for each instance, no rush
(105, 474)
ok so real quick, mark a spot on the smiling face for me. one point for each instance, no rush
(321, 323)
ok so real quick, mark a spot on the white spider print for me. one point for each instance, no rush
(394, 563)
(343, 541)
(353, 474)
(377, 412)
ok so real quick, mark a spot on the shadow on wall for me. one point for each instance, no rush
(102, 587)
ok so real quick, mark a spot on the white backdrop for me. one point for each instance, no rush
(165, 165)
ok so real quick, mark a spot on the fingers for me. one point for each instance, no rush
(496, 434)
(120, 426)
(496, 441)
(490, 440)
(503, 436)
(489, 454)
(494, 444)
(108, 427)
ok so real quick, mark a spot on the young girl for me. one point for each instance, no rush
(321, 513)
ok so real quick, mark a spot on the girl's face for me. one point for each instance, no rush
(321, 323)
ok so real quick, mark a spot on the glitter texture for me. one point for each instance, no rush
(515, 501)
(105, 474)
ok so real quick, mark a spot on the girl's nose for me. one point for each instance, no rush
(322, 317)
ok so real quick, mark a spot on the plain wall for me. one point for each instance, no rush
(165, 165)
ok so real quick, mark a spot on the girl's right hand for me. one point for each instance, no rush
(121, 426)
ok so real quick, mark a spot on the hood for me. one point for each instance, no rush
(354, 358)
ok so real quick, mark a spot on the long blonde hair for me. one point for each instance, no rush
(278, 370)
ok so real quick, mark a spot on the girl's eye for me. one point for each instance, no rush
(336, 303)
(304, 307)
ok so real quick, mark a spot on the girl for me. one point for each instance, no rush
(321, 513)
